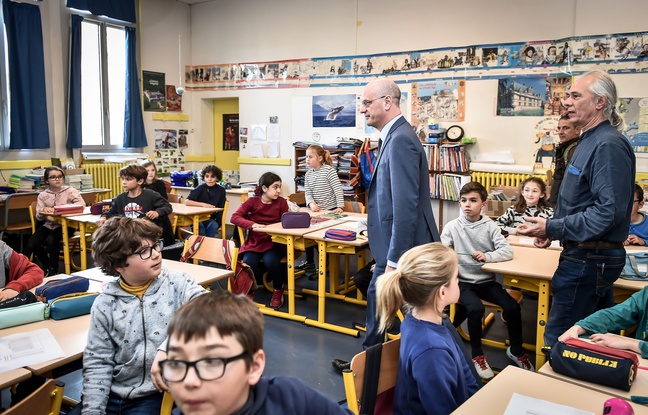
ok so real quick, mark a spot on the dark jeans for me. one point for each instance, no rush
(472, 307)
(277, 272)
(146, 405)
(208, 228)
(581, 285)
(373, 336)
(45, 243)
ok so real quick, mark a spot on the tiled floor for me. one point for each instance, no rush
(298, 350)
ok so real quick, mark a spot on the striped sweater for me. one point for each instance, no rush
(323, 187)
(511, 219)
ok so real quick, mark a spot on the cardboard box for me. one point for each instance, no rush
(509, 191)
(70, 172)
(496, 208)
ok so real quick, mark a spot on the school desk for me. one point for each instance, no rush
(85, 223)
(235, 197)
(203, 275)
(639, 386)
(494, 397)
(13, 377)
(334, 248)
(532, 269)
(192, 215)
(293, 239)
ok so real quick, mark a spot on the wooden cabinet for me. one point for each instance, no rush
(343, 167)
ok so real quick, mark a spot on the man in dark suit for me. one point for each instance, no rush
(399, 211)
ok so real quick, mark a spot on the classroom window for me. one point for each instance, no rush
(103, 84)
(4, 88)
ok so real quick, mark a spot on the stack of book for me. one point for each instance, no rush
(23, 183)
(74, 181)
(87, 181)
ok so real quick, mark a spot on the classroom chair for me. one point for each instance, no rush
(89, 198)
(45, 400)
(488, 319)
(355, 207)
(369, 384)
(298, 197)
(14, 221)
(174, 198)
(211, 250)
(167, 404)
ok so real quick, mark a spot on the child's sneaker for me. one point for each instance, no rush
(483, 369)
(522, 361)
(277, 298)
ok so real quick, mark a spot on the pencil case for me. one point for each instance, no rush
(100, 207)
(68, 209)
(23, 314)
(340, 234)
(290, 220)
(55, 289)
(24, 298)
(71, 305)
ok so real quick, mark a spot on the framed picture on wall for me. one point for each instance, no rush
(154, 91)
(230, 132)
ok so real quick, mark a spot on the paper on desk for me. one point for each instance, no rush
(525, 405)
(29, 348)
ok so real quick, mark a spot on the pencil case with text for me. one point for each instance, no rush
(71, 305)
(23, 314)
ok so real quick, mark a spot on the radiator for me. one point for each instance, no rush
(488, 179)
(106, 175)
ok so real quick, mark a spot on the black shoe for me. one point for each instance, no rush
(340, 365)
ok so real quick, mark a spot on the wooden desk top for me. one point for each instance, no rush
(182, 209)
(71, 334)
(277, 229)
(494, 397)
(516, 240)
(528, 262)
(202, 275)
(13, 376)
(639, 386)
(318, 235)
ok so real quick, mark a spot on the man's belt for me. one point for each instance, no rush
(593, 245)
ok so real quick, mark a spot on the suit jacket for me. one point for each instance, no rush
(399, 213)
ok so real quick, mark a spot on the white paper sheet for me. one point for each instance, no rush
(256, 150)
(273, 132)
(525, 405)
(29, 348)
(258, 132)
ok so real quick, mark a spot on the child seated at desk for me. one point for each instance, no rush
(638, 233)
(433, 375)
(622, 316)
(211, 195)
(265, 208)
(129, 319)
(533, 203)
(136, 202)
(152, 181)
(220, 337)
(46, 241)
(477, 239)
(17, 273)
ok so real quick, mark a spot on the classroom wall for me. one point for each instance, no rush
(228, 31)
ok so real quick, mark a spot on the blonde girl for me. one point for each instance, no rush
(533, 203)
(323, 191)
(152, 181)
(433, 374)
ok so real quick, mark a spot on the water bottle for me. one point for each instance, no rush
(181, 199)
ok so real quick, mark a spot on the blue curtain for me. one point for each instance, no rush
(123, 10)
(29, 128)
(134, 134)
(74, 94)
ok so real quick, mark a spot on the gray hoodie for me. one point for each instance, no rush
(467, 237)
(124, 336)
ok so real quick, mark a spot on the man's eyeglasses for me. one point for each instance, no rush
(147, 251)
(367, 102)
(54, 177)
(206, 369)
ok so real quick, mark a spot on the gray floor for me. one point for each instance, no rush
(295, 349)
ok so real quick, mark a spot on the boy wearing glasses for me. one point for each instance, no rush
(129, 319)
(638, 233)
(215, 362)
(46, 241)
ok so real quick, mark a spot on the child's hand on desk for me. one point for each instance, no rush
(47, 211)
(634, 240)
(616, 341)
(257, 226)
(479, 256)
(151, 214)
(156, 373)
(573, 333)
(314, 207)
(542, 242)
(338, 210)
(8, 293)
(101, 221)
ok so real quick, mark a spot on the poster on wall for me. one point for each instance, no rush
(437, 101)
(634, 112)
(165, 139)
(334, 110)
(169, 160)
(173, 100)
(154, 91)
(182, 138)
(521, 96)
(557, 88)
(230, 132)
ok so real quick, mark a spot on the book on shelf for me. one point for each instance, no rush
(447, 185)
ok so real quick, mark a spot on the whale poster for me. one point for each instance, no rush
(334, 110)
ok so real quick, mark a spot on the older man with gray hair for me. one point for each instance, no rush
(592, 217)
